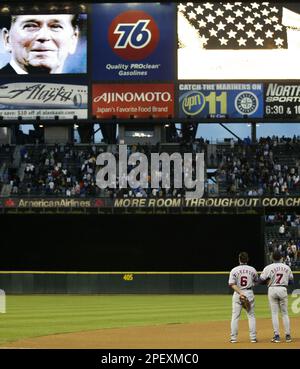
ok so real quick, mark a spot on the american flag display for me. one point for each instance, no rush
(237, 25)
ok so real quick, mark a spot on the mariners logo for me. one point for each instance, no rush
(246, 103)
(133, 35)
(193, 102)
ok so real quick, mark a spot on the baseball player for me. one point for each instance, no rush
(278, 275)
(242, 279)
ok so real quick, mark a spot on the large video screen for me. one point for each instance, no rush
(43, 44)
(221, 40)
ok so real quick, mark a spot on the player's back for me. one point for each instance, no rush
(279, 274)
(244, 276)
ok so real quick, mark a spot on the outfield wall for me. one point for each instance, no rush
(120, 283)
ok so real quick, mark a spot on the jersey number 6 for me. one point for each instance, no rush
(244, 281)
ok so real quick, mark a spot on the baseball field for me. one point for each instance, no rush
(134, 321)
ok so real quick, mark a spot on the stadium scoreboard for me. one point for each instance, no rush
(201, 61)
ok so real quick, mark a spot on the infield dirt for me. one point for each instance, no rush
(208, 335)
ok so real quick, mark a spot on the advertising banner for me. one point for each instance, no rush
(137, 100)
(211, 202)
(208, 202)
(46, 100)
(133, 41)
(46, 202)
(282, 100)
(221, 100)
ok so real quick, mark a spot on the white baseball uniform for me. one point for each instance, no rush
(245, 277)
(279, 275)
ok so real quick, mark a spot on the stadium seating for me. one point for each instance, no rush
(266, 168)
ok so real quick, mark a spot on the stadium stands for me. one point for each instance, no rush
(282, 232)
(270, 167)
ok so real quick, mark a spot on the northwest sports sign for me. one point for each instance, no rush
(137, 100)
(133, 41)
(282, 100)
(41, 98)
(220, 100)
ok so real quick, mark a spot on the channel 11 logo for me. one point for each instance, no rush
(133, 35)
(215, 104)
(193, 102)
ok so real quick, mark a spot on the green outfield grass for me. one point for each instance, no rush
(39, 315)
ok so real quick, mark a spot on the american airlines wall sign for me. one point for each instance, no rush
(137, 100)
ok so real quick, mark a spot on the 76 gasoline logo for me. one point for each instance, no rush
(133, 35)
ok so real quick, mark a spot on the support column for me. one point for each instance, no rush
(253, 132)
(5, 135)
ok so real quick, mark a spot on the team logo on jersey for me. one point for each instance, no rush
(133, 35)
(246, 103)
(193, 102)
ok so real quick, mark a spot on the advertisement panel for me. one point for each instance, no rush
(239, 40)
(208, 202)
(43, 44)
(134, 41)
(41, 98)
(136, 100)
(47, 202)
(221, 100)
(282, 100)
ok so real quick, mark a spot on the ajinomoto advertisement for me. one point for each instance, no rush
(133, 41)
(133, 100)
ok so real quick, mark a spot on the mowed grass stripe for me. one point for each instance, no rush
(31, 316)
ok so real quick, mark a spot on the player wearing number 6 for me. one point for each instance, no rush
(242, 279)
(278, 275)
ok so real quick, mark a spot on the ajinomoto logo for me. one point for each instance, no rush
(133, 35)
(193, 102)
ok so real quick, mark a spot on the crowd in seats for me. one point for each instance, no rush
(70, 171)
(59, 170)
(6, 160)
(282, 233)
(150, 192)
(270, 167)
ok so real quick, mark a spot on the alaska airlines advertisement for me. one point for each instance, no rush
(44, 99)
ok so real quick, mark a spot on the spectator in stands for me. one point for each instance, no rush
(282, 229)
(287, 261)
